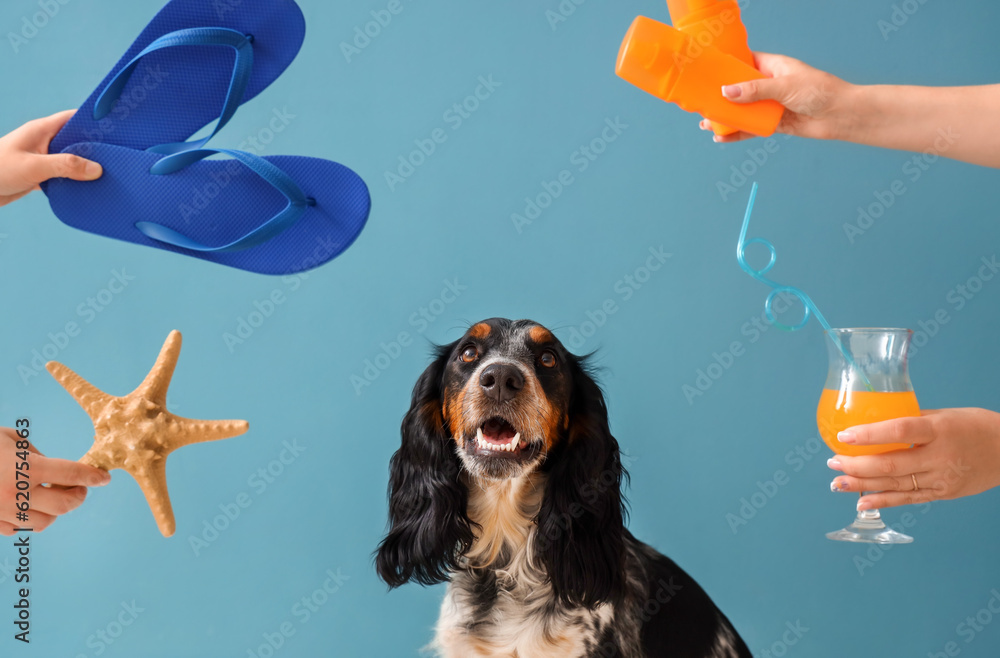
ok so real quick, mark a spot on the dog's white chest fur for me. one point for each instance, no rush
(517, 629)
(522, 621)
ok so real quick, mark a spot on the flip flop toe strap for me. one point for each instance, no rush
(298, 202)
(196, 36)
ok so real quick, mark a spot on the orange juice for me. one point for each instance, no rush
(839, 410)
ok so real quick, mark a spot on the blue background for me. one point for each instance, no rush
(655, 185)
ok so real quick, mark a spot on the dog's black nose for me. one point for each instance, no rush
(501, 381)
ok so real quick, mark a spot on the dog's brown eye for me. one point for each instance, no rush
(469, 354)
(547, 359)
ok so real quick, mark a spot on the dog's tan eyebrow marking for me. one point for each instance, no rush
(481, 330)
(540, 334)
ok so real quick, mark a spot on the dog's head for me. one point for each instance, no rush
(506, 400)
(506, 389)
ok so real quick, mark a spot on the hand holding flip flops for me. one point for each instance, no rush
(26, 162)
(193, 65)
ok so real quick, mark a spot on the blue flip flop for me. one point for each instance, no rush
(273, 215)
(195, 63)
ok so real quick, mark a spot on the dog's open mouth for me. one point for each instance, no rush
(498, 435)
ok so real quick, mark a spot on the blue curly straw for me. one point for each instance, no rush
(807, 303)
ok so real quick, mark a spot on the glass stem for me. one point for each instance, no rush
(869, 516)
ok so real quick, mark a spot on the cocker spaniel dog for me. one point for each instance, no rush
(508, 486)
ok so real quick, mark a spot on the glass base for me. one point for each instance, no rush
(868, 528)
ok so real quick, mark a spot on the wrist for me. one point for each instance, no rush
(856, 113)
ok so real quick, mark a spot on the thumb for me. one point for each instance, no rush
(776, 89)
(62, 165)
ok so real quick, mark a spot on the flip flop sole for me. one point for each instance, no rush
(216, 202)
(176, 91)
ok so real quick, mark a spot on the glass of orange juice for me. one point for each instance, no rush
(868, 382)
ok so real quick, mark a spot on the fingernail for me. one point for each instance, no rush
(864, 505)
(732, 91)
(80, 492)
(101, 480)
(839, 485)
(847, 436)
(92, 170)
(835, 464)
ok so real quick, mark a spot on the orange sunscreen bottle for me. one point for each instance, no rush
(670, 65)
(713, 23)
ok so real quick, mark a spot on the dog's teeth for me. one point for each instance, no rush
(514, 444)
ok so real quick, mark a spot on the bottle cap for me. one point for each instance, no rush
(647, 59)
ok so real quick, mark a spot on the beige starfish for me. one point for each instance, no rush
(136, 432)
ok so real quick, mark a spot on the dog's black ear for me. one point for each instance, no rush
(581, 532)
(428, 525)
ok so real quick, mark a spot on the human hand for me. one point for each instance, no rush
(817, 104)
(47, 502)
(25, 161)
(956, 453)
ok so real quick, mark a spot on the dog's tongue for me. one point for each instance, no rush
(499, 430)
